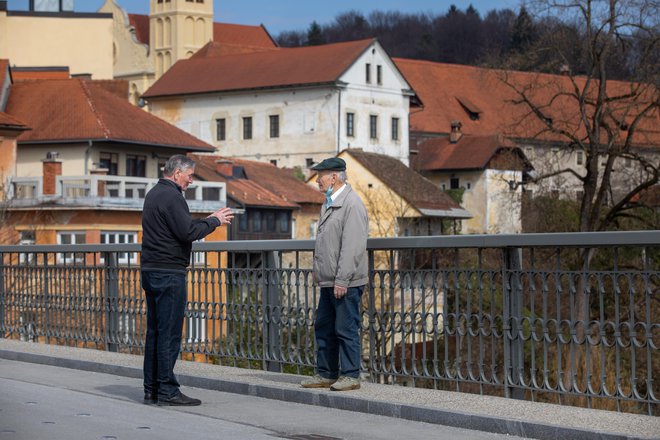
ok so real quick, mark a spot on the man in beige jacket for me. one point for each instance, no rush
(341, 271)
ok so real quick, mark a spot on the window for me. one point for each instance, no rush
(136, 165)
(247, 128)
(70, 237)
(256, 221)
(309, 162)
(198, 258)
(468, 185)
(312, 229)
(373, 127)
(121, 237)
(350, 124)
(161, 168)
(243, 222)
(284, 221)
(273, 162)
(529, 152)
(368, 73)
(395, 129)
(27, 238)
(454, 183)
(274, 126)
(379, 74)
(220, 129)
(579, 159)
(109, 161)
(270, 221)
(195, 325)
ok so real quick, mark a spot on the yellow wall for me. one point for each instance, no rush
(83, 44)
(383, 205)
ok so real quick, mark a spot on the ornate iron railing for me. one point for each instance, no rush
(569, 318)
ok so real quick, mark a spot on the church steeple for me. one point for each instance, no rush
(177, 29)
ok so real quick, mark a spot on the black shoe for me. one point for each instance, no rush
(179, 400)
(150, 398)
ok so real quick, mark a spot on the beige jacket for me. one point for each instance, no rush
(340, 252)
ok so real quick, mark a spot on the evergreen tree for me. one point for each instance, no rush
(315, 35)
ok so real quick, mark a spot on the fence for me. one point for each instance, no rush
(568, 318)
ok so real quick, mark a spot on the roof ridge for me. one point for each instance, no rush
(97, 114)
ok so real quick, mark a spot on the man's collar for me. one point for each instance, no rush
(339, 191)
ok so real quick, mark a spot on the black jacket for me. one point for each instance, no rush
(168, 230)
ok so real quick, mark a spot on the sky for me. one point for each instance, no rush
(292, 15)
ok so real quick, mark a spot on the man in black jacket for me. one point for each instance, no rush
(168, 231)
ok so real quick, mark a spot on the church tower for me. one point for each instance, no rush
(177, 29)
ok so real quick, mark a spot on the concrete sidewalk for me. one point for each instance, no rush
(484, 413)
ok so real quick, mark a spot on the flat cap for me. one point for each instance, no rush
(331, 164)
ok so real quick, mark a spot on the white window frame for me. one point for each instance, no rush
(121, 237)
(26, 258)
(195, 326)
(78, 257)
(198, 258)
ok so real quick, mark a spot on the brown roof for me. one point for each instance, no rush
(247, 191)
(285, 67)
(9, 122)
(222, 32)
(468, 153)
(484, 104)
(420, 192)
(141, 24)
(28, 73)
(79, 110)
(213, 49)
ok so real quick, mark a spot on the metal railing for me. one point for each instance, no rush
(568, 318)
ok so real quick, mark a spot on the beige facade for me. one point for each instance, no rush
(177, 29)
(31, 40)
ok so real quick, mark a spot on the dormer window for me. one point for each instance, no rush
(470, 108)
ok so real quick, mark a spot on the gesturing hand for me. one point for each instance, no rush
(224, 215)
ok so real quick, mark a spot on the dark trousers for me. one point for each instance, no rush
(337, 331)
(166, 294)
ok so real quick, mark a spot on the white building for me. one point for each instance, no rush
(289, 106)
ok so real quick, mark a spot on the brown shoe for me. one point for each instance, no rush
(346, 383)
(317, 381)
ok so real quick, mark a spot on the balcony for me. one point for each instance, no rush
(107, 192)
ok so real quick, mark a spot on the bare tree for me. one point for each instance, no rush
(610, 122)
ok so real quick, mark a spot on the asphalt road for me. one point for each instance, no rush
(44, 402)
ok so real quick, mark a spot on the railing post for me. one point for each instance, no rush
(2, 295)
(513, 349)
(272, 313)
(46, 295)
(372, 315)
(111, 289)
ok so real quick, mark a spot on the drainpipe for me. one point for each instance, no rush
(338, 120)
(89, 147)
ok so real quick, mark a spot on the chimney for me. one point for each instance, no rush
(52, 167)
(455, 133)
(224, 167)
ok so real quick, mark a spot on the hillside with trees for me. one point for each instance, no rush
(465, 37)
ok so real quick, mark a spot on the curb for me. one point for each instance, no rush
(456, 419)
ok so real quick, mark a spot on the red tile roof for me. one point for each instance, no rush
(9, 122)
(222, 32)
(79, 110)
(248, 191)
(213, 49)
(277, 68)
(141, 24)
(28, 73)
(420, 192)
(484, 104)
(469, 153)
(277, 181)
(4, 68)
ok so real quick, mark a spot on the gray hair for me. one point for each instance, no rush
(178, 161)
(342, 177)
